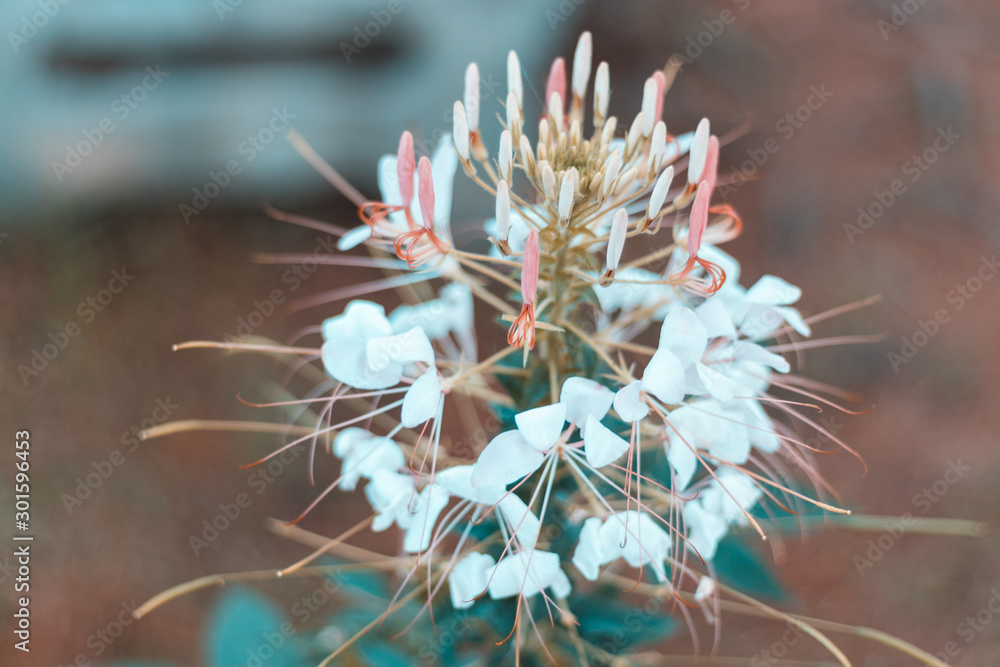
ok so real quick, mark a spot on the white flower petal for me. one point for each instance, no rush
(588, 556)
(444, 163)
(664, 377)
(747, 351)
(584, 397)
(360, 320)
(629, 405)
(424, 514)
(522, 522)
(637, 538)
(388, 493)
(347, 362)
(457, 481)
(364, 455)
(794, 318)
(421, 400)
(682, 460)
(402, 349)
(716, 319)
(773, 291)
(684, 334)
(719, 387)
(601, 444)
(541, 427)
(469, 578)
(699, 151)
(527, 574)
(506, 459)
(354, 237)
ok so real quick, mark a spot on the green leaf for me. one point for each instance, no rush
(740, 566)
(615, 625)
(244, 624)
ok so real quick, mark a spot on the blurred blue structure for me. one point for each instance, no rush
(116, 101)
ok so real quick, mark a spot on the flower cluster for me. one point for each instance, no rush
(594, 410)
(641, 409)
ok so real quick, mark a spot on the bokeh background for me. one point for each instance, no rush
(162, 95)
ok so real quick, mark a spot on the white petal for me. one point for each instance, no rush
(505, 158)
(354, 237)
(425, 511)
(388, 492)
(444, 163)
(716, 319)
(664, 377)
(361, 319)
(584, 397)
(684, 335)
(468, 579)
(650, 91)
(503, 211)
(705, 589)
(347, 362)
(581, 64)
(368, 457)
(793, 317)
(601, 444)
(659, 194)
(567, 192)
(773, 291)
(602, 90)
(699, 151)
(471, 96)
(616, 242)
(514, 77)
(421, 400)
(541, 427)
(588, 556)
(719, 387)
(506, 459)
(628, 404)
(527, 574)
(522, 522)
(682, 460)
(747, 351)
(460, 131)
(457, 481)
(404, 348)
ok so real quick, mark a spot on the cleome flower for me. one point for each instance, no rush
(643, 404)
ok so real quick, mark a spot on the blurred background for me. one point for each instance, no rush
(141, 142)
